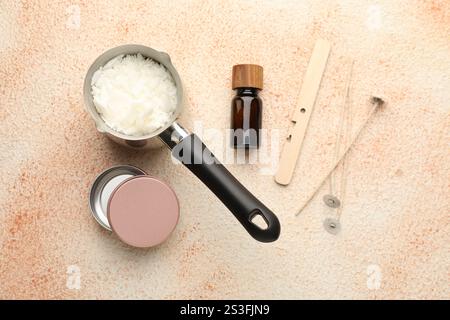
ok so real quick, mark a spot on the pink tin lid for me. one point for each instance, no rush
(143, 211)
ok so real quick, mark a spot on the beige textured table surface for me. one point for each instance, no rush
(394, 241)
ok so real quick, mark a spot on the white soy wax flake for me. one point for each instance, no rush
(134, 95)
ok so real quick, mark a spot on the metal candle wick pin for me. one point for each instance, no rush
(331, 200)
(331, 225)
(377, 104)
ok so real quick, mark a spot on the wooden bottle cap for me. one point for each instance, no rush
(247, 76)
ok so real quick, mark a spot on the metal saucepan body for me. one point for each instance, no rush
(187, 148)
(148, 140)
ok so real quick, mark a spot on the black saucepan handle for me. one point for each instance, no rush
(245, 206)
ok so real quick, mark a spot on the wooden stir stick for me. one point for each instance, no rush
(307, 98)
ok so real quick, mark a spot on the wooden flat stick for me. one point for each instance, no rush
(302, 114)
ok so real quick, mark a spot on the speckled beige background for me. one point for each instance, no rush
(396, 215)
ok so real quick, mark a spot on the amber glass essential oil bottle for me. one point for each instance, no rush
(246, 106)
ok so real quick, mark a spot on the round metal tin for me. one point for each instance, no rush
(103, 187)
(143, 211)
